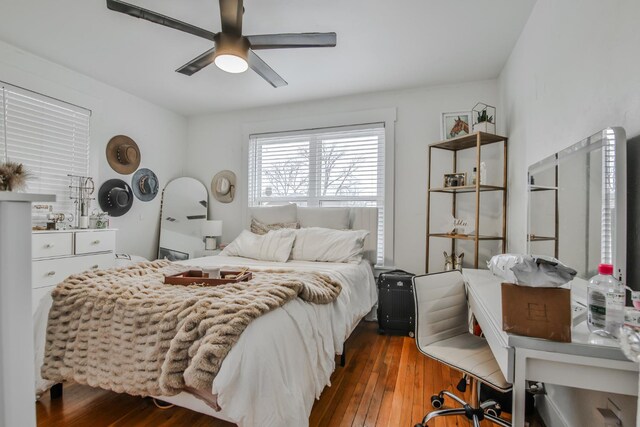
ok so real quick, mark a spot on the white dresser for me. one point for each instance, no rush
(58, 254)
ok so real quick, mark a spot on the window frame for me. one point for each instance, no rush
(75, 111)
(387, 116)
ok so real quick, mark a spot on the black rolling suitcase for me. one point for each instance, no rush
(396, 307)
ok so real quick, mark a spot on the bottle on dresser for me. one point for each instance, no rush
(605, 302)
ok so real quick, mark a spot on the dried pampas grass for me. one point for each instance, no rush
(13, 176)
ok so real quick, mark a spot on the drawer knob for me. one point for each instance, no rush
(93, 267)
(95, 242)
(51, 273)
(49, 245)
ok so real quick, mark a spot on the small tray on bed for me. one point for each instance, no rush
(192, 277)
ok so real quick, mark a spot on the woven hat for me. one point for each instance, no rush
(123, 154)
(115, 197)
(223, 186)
(145, 184)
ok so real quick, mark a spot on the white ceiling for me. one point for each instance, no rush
(382, 44)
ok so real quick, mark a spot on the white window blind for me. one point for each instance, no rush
(341, 166)
(51, 139)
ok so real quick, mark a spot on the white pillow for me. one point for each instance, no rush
(275, 214)
(323, 244)
(274, 246)
(335, 218)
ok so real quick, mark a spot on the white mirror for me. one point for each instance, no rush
(184, 208)
(577, 204)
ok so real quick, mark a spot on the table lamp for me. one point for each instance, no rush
(211, 229)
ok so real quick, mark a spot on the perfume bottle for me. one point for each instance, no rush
(474, 176)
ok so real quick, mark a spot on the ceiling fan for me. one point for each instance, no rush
(232, 51)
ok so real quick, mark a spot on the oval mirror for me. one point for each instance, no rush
(184, 208)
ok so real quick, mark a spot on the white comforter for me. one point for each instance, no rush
(284, 359)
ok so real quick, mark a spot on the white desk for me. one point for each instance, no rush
(580, 363)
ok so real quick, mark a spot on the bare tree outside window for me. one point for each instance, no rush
(288, 177)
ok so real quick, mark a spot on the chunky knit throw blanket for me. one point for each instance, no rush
(126, 331)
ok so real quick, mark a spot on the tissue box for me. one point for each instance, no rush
(537, 312)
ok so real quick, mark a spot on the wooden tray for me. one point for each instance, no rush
(192, 277)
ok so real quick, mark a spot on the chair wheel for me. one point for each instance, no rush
(494, 410)
(437, 401)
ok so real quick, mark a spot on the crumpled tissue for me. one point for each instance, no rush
(531, 270)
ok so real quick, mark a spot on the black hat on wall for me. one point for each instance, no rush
(115, 197)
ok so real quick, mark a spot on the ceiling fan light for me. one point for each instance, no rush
(232, 53)
(231, 63)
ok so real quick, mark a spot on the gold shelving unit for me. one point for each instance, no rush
(472, 141)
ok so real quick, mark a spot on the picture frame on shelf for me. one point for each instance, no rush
(455, 179)
(456, 124)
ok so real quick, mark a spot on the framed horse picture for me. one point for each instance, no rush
(456, 124)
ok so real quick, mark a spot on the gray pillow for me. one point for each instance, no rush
(275, 214)
(334, 218)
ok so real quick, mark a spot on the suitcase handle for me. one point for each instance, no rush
(394, 272)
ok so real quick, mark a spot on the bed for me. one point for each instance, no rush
(284, 359)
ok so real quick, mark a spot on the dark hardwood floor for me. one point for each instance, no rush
(386, 382)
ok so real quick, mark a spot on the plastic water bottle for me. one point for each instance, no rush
(605, 302)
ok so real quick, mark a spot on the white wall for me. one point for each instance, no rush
(160, 134)
(573, 72)
(216, 143)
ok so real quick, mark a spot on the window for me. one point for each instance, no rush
(50, 137)
(342, 166)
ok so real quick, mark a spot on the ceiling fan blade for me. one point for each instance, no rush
(285, 41)
(259, 66)
(138, 12)
(198, 63)
(231, 16)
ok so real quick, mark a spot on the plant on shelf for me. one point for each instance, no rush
(13, 176)
(484, 118)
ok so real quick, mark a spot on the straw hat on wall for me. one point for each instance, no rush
(223, 186)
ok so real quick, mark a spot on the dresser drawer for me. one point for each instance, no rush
(95, 241)
(45, 245)
(48, 272)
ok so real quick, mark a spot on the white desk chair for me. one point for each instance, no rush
(442, 333)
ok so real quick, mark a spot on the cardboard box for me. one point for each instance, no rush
(537, 312)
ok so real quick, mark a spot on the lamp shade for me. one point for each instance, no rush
(211, 228)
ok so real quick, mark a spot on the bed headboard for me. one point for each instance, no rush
(366, 219)
(354, 218)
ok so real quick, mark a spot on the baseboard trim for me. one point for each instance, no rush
(549, 412)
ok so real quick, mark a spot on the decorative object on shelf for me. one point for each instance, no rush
(115, 197)
(211, 230)
(80, 190)
(13, 176)
(459, 226)
(484, 118)
(98, 220)
(453, 261)
(455, 124)
(145, 184)
(223, 186)
(123, 154)
(455, 179)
